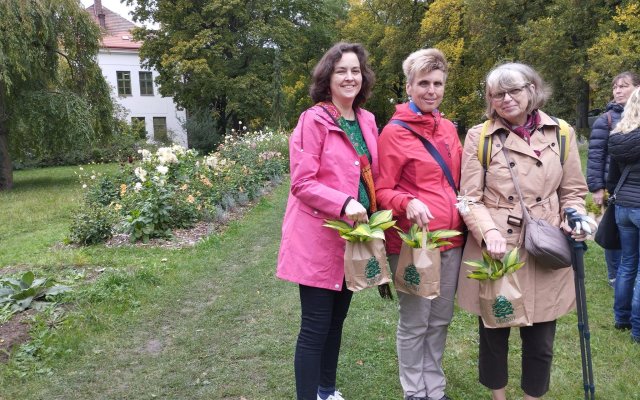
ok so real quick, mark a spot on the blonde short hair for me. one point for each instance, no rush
(424, 60)
(510, 76)
(631, 116)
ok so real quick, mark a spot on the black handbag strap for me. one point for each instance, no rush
(625, 173)
(432, 150)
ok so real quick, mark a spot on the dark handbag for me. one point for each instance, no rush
(607, 235)
(543, 241)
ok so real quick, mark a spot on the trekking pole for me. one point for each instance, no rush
(577, 260)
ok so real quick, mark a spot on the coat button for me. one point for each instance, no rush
(337, 286)
(498, 145)
(509, 230)
(510, 198)
(357, 163)
(553, 145)
(512, 164)
(538, 199)
(539, 163)
(315, 212)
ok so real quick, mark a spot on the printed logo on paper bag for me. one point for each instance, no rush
(411, 277)
(372, 271)
(503, 310)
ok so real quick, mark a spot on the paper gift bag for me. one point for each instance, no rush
(365, 264)
(502, 303)
(418, 271)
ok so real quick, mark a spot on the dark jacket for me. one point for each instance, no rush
(598, 159)
(624, 149)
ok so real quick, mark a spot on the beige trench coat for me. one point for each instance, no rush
(547, 186)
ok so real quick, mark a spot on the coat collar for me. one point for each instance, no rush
(544, 137)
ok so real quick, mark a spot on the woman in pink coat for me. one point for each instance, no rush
(331, 144)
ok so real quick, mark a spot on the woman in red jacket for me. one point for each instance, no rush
(413, 185)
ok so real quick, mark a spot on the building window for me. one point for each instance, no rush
(124, 83)
(146, 83)
(138, 124)
(160, 129)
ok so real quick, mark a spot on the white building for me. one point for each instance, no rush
(134, 86)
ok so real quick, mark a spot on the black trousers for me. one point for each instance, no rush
(537, 354)
(318, 347)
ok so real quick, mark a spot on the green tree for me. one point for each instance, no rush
(475, 36)
(373, 268)
(388, 30)
(502, 307)
(411, 275)
(220, 54)
(53, 96)
(556, 42)
(617, 49)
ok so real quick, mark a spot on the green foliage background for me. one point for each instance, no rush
(53, 97)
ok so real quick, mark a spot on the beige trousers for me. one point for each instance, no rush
(422, 331)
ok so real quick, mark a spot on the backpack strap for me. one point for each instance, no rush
(562, 136)
(484, 145)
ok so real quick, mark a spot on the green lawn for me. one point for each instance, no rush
(213, 322)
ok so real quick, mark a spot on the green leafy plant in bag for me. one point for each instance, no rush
(489, 268)
(374, 229)
(435, 239)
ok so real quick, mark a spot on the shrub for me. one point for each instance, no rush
(120, 147)
(174, 188)
(92, 224)
(203, 131)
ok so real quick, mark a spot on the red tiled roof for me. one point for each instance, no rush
(117, 34)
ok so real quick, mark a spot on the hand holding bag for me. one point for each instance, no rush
(607, 235)
(543, 241)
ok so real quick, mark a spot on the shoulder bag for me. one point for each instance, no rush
(545, 242)
(607, 235)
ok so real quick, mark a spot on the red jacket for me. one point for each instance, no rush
(408, 171)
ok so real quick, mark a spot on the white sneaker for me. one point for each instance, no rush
(335, 396)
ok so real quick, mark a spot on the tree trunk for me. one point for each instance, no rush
(6, 169)
(582, 104)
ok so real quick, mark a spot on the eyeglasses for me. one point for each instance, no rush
(499, 96)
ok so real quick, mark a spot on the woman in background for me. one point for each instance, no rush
(598, 156)
(624, 148)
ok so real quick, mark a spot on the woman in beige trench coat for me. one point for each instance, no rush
(514, 94)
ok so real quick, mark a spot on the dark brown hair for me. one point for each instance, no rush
(321, 78)
(632, 76)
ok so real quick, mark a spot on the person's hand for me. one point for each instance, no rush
(418, 213)
(598, 196)
(580, 236)
(356, 212)
(496, 244)
(584, 227)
